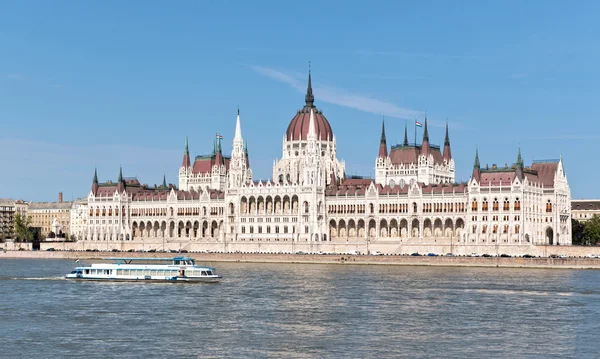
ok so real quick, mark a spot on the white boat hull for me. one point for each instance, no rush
(207, 279)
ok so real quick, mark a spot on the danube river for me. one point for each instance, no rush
(303, 311)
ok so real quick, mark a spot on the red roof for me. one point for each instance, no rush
(545, 172)
(298, 127)
(495, 178)
(205, 164)
(410, 154)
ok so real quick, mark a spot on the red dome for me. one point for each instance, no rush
(298, 128)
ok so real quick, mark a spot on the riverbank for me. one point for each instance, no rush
(553, 263)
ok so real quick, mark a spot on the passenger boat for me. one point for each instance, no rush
(178, 269)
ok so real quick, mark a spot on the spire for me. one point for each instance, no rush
(382, 143)
(309, 98)
(120, 182)
(476, 166)
(218, 152)
(520, 167)
(186, 155)
(164, 184)
(405, 143)
(238, 127)
(425, 149)
(447, 153)
(246, 154)
(447, 139)
(95, 184)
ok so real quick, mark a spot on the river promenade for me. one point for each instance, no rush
(338, 259)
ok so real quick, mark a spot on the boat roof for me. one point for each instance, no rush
(130, 259)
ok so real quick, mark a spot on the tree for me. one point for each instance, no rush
(23, 228)
(577, 231)
(591, 231)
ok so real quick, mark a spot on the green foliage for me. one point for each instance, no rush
(22, 228)
(591, 231)
(577, 232)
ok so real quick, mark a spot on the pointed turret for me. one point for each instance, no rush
(164, 184)
(120, 182)
(405, 143)
(383, 152)
(238, 128)
(520, 166)
(476, 166)
(447, 153)
(218, 152)
(425, 148)
(186, 155)
(309, 98)
(246, 154)
(95, 184)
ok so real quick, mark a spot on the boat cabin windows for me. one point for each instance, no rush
(184, 262)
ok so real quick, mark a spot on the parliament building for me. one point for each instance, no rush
(414, 197)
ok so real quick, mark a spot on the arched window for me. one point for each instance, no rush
(243, 229)
(305, 207)
(495, 204)
(506, 205)
(415, 207)
(548, 207)
(484, 205)
(251, 229)
(517, 204)
(371, 208)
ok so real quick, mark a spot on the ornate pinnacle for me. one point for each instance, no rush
(309, 98)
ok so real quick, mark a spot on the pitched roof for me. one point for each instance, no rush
(410, 154)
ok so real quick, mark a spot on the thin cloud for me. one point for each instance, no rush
(339, 96)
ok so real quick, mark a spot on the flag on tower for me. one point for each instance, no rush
(219, 137)
(418, 124)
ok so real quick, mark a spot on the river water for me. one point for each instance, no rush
(303, 311)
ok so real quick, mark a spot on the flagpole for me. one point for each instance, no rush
(415, 132)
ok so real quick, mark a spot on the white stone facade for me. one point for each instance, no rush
(311, 200)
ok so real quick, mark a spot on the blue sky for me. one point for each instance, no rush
(109, 83)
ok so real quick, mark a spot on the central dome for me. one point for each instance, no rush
(298, 128)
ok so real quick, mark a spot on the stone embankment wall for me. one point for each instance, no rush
(385, 247)
(207, 258)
